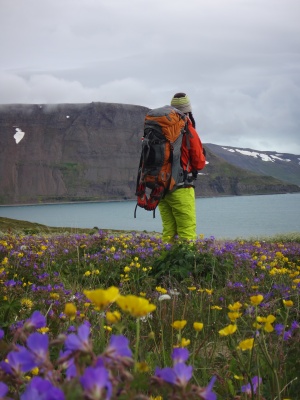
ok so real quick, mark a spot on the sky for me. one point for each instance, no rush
(238, 61)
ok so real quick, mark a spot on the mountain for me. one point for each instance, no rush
(282, 166)
(90, 152)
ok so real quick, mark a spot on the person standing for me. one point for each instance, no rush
(178, 208)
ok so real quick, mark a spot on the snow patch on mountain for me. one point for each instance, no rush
(255, 154)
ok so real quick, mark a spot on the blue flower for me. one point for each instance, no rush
(256, 381)
(37, 320)
(3, 390)
(180, 354)
(20, 361)
(96, 383)
(287, 335)
(80, 341)
(179, 375)
(207, 393)
(279, 328)
(295, 325)
(38, 344)
(118, 347)
(41, 389)
(68, 364)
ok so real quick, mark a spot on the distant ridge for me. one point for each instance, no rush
(90, 152)
(282, 166)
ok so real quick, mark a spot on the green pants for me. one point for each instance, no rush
(178, 214)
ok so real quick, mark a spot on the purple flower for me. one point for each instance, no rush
(37, 320)
(96, 383)
(279, 328)
(38, 344)
(20, 361)
(68, 363)
(41, 389)
(206, 393)
(256, 381)
(3, 390)
(80, 341)
(179, 375)
(180, 354)
(1, 334)
(118, 347)
(295, 325)
(287, 335)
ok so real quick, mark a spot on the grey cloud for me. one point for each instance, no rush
(238, 60)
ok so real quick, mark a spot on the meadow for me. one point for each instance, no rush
(121, 315)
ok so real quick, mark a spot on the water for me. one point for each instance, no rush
(221, 217)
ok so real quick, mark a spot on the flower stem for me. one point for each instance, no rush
(136, 351)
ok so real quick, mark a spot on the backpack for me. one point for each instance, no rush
(159, 168)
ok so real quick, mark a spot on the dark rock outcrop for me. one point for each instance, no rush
(69, 152)
(85, 152)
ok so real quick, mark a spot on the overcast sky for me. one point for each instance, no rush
(238, 60)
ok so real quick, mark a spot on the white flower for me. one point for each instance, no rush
(164, 297)
(174, 292)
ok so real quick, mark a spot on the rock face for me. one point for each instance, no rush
(69, 152)
(83, 152)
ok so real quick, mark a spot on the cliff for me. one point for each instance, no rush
(83, 152)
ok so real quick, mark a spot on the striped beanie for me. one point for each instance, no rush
(181, 102)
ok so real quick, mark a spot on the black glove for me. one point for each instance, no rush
(195, 174)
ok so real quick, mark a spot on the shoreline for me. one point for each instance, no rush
(134, 200)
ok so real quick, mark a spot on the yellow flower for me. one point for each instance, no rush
(70, 311)
(161, 290)
(256, 300)
(228, 330)
(209, 291)
(184, 342)
(246, 344)
(268, 325)
(113, 317)
(142, 366)
(101, 298)
(26, 303)
(238, 377)
(198, 326)
(179, 325)
(108, 328)
(192, 288)
(234, 315)
(54, 296)
(267, 321)
(43, 330)
(35, 371)
(288, 303)
(216, 308)
(136, 306)
(235, 307)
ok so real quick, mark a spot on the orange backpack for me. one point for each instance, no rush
(159, 168)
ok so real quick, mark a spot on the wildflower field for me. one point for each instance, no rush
(124, 316)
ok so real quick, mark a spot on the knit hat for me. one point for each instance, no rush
(181, 102)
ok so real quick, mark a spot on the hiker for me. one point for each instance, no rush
(178, 208)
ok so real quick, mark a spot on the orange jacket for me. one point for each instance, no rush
(192, 155)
